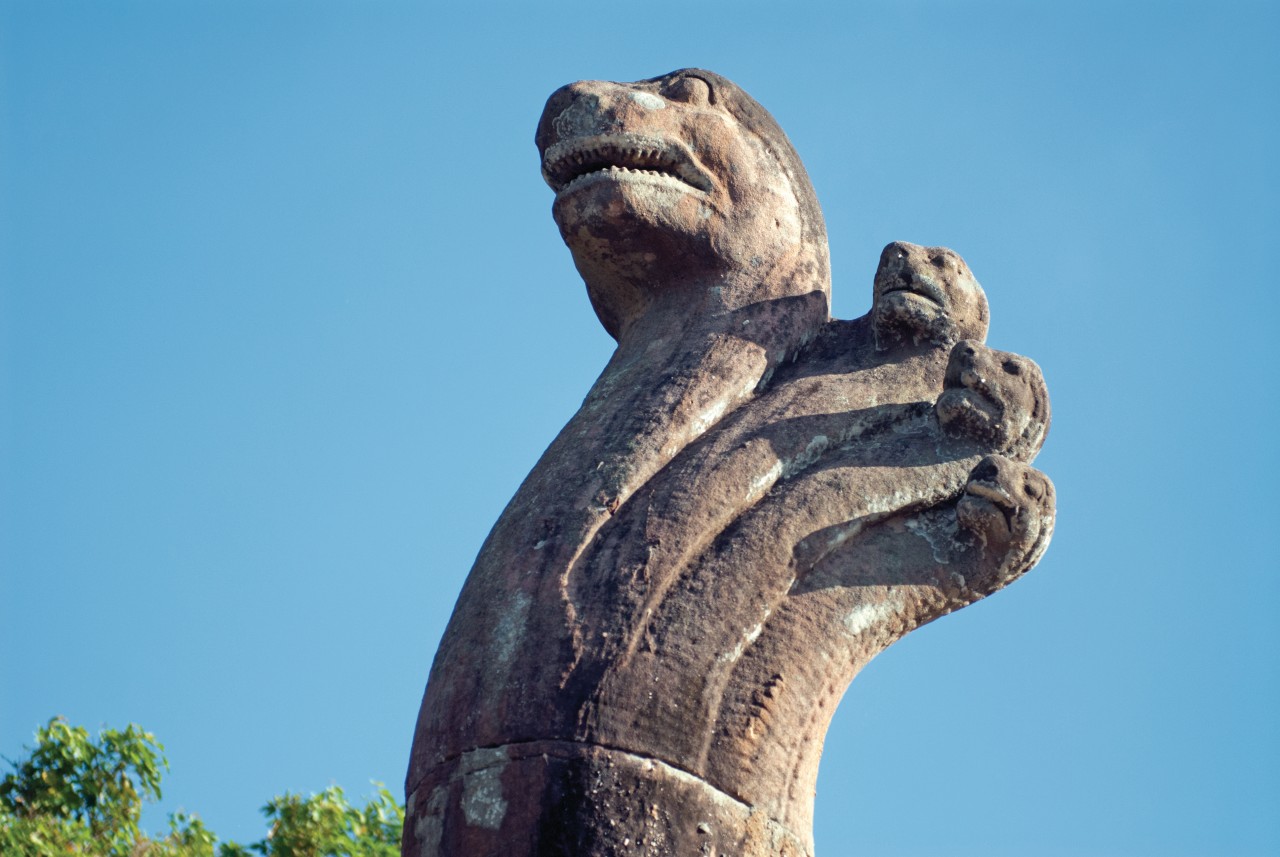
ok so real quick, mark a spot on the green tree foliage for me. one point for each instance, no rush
(73, 794)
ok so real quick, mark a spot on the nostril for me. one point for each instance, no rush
(987, 470)
(895, 251)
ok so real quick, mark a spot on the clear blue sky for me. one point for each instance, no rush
(284, 320)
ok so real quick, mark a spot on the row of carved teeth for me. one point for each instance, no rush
(637, 155)
(616, 169)
(609, 155)
(568, 168)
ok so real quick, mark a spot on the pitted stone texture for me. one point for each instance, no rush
(752, 502)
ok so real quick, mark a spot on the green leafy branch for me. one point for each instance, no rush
(73, 794)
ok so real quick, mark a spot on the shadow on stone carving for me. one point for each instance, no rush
(753, 501)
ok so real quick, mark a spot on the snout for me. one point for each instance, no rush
(963, 364)
(895, 260)
(591, 108)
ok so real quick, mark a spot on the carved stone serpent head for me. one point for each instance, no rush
(679, 194)
(753, 501)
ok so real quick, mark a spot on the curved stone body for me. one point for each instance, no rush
(753, 501)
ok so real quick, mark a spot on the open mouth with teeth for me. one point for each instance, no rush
(575, 163)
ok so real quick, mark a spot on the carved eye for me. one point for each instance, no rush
(1012, 368)
(688, 89)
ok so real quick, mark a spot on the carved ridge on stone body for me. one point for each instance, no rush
(703, 819)
(753, 501)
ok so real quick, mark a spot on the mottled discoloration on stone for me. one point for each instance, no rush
(752, 502)
(424, 823)
(482, 802)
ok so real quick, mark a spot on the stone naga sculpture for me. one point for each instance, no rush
(753, 501)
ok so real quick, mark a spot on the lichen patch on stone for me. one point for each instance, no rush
(483, 804)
